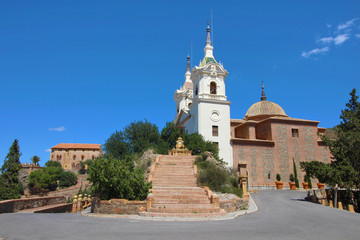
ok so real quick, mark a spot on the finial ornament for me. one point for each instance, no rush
(263, 98)
(208, 39)
(188, 64)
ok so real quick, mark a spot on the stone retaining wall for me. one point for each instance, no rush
(235, 204)
(118, 206)
(64, 208)
(15, 205)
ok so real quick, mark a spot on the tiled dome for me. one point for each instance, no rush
(264, 108)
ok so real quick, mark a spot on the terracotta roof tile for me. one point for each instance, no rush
(77, 146)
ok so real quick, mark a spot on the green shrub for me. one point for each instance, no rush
(67, 179)
(217, 178)
(234, 181)
(278, 177)
(115, 178)
(212, 176)
(292, 178)
(45, 178)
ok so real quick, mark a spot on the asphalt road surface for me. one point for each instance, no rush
(281, 215)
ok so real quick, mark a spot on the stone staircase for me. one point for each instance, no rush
(176, 193)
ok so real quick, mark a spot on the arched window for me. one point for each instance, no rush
(74, 157)
(213, 88)
(92, 157)
(196, 90)
(77, 167)
(82, 157)
(73, 166)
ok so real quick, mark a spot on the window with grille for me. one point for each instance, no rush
(295, 132)
(215, 131)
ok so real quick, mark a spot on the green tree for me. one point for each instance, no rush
(316, 169)
(346, 147)
(197, 144)
(10, 186)
(53, 164)
(118, 178)
(67, 179)
(117, 145)
(35, 159)
(170, 134)
(295, 174)
(135, 138)
(47, 177)
(142, 135)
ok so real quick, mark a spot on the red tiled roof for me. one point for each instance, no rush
(77, 146)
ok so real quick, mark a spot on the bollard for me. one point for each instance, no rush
(323, 202)
(340, 206)
(351, 208)
(331, 203)
(79, 205)
(74, 206)
(85, 200)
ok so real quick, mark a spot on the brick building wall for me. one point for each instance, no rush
(71, 154)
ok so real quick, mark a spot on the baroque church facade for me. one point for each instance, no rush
(266, 140)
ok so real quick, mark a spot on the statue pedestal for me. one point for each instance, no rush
(180, 149)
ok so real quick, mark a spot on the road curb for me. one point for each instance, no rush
(252, 208)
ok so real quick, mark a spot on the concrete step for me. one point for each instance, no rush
(174, 184)
(175, 180)
(178, 190)
(183, 215)
(182, 201)
(184, 208)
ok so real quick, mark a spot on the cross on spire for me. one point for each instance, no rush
(180, 127)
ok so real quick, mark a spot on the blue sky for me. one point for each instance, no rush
(76, 71)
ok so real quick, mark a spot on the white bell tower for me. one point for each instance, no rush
(209, 113)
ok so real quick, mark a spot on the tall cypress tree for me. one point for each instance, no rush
(10, 186)
(295, 174)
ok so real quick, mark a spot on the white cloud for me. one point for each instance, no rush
(326, 40)
(346, 25)
(328, 25)
(48, 150)
(357, 35)
(315, 51)
(58, 129)
(340, 39)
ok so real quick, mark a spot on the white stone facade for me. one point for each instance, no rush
(209, 112)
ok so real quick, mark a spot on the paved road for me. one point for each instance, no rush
(281, 215)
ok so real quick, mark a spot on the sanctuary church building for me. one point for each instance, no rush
(266, 140)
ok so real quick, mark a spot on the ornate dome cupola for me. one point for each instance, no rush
(208, 50)
(188, 83)
(264, 109)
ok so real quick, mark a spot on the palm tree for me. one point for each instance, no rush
(35, 159)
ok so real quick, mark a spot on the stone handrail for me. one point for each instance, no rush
(151, 174)
(80, 203)
(214, 198)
